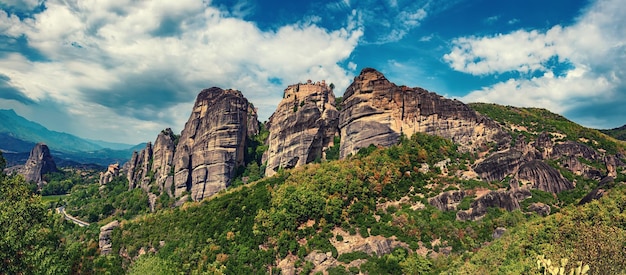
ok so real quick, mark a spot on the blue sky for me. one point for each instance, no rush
(122, 70)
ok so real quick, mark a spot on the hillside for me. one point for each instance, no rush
(411, 183)
(388, 210)
(618, 133)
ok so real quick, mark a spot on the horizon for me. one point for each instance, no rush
(129, 71)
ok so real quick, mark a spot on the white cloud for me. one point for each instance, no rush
(120, 64)
(594, 46)
(491, 19)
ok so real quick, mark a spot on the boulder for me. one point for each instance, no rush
(497, 166)
(498, 232)
(105, 242)
(447, 201)
(543, 177)
(506, 199)
(540, 208)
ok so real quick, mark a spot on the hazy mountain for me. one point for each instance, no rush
(19, 135)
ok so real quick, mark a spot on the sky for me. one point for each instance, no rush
(122, 70)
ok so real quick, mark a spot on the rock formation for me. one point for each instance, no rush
(39, 162)
(112, 171)
(508, 200)
(104, 241)
(543, 177)
(499, 165)
(447, 201)
(203, 159)
(212, 144)
(540, 208)
(376, 111)
(138, 167)
(302, 127)
(162, 160)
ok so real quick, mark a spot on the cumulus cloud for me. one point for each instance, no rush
(593, 49)
(129, 67)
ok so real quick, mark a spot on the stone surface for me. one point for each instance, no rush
(137, 168)
(162, 160)
(447, 201)
(506, 199)
(498, 232)
(302, 127)
(39, 162)
(543, 177)
(105, 242)
(540, 208)
(376, 111)
(497, 166)
(112, 171)
(212, 144)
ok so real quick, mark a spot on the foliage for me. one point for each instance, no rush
(30, 242)
(594, 233)
(148, 264)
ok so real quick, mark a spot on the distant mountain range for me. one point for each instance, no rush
(19, 135)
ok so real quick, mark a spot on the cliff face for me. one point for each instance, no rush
(376, 111)
(212, 143)
(39, 162)
(112, 171)
(302, 127)
(162, 160)
(138, 168)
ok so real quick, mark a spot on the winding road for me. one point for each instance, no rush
(70, 217)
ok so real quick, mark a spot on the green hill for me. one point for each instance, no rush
(618, 133)
(370, 213)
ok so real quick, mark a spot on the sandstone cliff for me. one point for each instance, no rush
(112, 171)
(138, 168)
(212, 143)
(302, 127)
(162, 160)
(376, 111)
(203, 159)
(39, 162)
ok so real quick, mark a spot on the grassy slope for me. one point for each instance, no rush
(618, 133)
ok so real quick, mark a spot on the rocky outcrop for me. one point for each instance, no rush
(543, 177)
(597, 193)
(508, 200)
(112, 171)
(104, 241)
(447, 201)
(498, 232)
(138, 168)
(162, 161)
(302, 127)
(39, 162)
(540, 208)
(212, 144)
(376, 111)
(499, 165)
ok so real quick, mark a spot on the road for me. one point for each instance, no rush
(70, 217)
